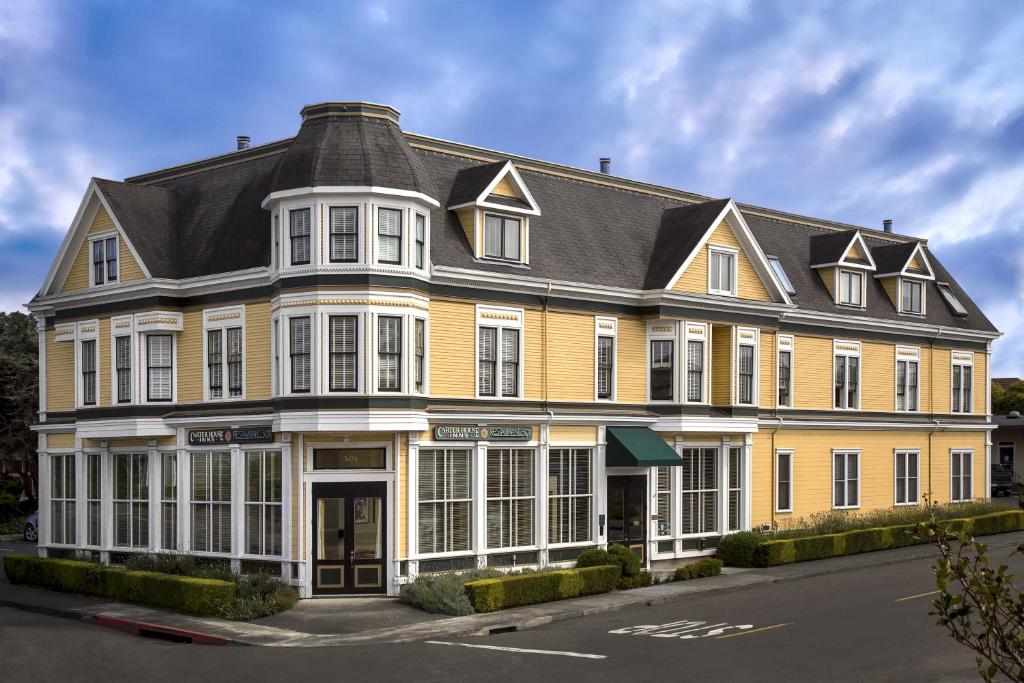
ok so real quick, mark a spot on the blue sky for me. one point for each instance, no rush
(855, 111)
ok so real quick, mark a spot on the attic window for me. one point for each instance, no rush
(502, 237)
(104, 260)
(781, 274)
(947, 293)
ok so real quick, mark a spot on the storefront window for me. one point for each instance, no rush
(263, 502)
(569, 495)
(211, 502)
(445, 500)
(510, 497)
(700, 490)
(131, 500)
(62, 498)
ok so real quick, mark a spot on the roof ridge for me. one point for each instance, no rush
(207, 163)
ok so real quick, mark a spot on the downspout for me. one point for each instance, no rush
(931, 409)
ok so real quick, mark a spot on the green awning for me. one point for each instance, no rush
(638, 447)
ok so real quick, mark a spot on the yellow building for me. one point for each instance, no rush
(361, 354)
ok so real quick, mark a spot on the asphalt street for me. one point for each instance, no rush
(865, 625)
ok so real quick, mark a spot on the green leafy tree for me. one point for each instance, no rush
(979, 604)
(19, 384)
(1009, 399)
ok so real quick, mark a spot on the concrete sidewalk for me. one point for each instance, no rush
(353, 621)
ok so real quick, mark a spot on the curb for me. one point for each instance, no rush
(11, 537)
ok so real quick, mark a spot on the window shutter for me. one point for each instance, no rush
(159, 366)
(300, 354)
(389, 233)
(343, 233)
(487, 356)
(300, 226)
(509, 362)
(343, 349)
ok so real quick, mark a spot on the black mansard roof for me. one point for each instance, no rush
(205, 218)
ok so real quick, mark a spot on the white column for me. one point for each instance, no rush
(155, 482)
(237, 506)
(106, 498)
(480, 502)
(412, 498)
(677, 497)
(748, 482)
(723, 485)
(45, 486)
(600, 489)
(184, 495)
(541, 500)
(286, 506)
(81, 527)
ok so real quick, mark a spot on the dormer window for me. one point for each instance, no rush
(851, 288)
(912, 298)
(502, 235)
(721, 271)
(104, 261)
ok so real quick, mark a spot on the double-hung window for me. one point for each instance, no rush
(662, 354)
(93, 500)
(169, 501)
(700, 490)
(783, 481)
(907, 477)
(299, 350)
(88, 367)
(159, 367)
(344, 349)
(131, 500)
(721, 271)
(912, 296)
(123, 368)
(736, 477)
(420, 352)
(510, 497)
(663, 495)
(389, 353)
(907, 385)
(963, 383)
(570, 496)
(745, 374)
(785, 378)
(62, 499)
(389, 236)
(851, 288)
(211, 502)
(421, 241)
(217, 361)
(502, 237)
(845, 479)
(846, 368)
(694, 370)
(960, 471)
(263, 502)
(445, 500)
(104, 261)
(498, 350)
(344, 234)
(605, 366)
(300, 231)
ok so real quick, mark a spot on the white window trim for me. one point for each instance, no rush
(775, 494)
(695, 331)
(326, 227)
(242, 504)
(87, 330)
(606, 327)
(499, 318)
(839, 350)
(591, 497)
(895, 477)
(220, 319)
(476, 471)
(832, 481)
(838, 274)
(716, 249)
(425, 391)
(911, 354)
(144, 367)
(403, 235)
(536, 499)
(102, 237)
(286, 235)
(426, 241)
(663, 330)
(523, 222)
(746, 336)
(924, 296)
(323, 349)
(124, 326)
(959, 452)
(286, 354)
(962, 359)
(786, 342)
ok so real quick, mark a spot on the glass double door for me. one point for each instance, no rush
(627, 507)
(349, 538)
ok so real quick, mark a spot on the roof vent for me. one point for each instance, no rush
(606, 165)
(243, 141)
(887, 225)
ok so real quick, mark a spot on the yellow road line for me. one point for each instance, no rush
(919, 595)
(756, 630)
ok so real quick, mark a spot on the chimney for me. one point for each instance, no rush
(887, 225)
(243, 141)
(606, 165)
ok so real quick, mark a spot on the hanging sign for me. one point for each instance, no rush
(485, 433)
(213, 437)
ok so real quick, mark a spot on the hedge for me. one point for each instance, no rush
(516, 590)
(202, 597)
(772, 553)
(702, 568)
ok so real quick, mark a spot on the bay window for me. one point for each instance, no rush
(344, 234)
(663, 496)
(445, 504)
(88, 368)
(131, 500)
(159, 367)
(389, 353)
(299, 350)
(421, 241)
(745, 374)
(695, 371)
(661, 370)
(169, 501)
(62, 499)
(211, 502)
(736, 481)
(263, 513)
(389, 236)
(123, 368)
(700, 490)
(299, 233)
(570, 497)
(510, 497)
(343, 345)
(93, 499)
(419, 351)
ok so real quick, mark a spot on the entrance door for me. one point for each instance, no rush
(349, 538)
(627, 512)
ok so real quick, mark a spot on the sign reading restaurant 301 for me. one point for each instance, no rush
(213, 437)
(478, 433)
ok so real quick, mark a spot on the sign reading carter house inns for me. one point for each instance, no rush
(213, 437)
(487, 433)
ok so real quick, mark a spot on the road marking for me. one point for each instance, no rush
(681, 630)
(582, 655)
(756, 630)
(919, 595)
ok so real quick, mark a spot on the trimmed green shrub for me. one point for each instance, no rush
(203, 597)
(641, 579)
(516, 590)
(626, 559)
(444, 593)
(737, 550)
(260, 595)
(704, 567)
(595, 557)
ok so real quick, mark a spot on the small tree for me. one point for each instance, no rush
(979, 605)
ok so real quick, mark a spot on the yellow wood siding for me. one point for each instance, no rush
(452, 353)
(401, 494)
(60, 440)
(78, 275)
(892, 288)
(60, 374)
(103, 384)
(257, 350)
(190, 358)
(572, 434)
(877, 376)
(828, 277)
(812, 373)
(533, 354)
(570, 357)
(856, 252)
(695, 277)
(979, 383)
(466, 221)
(942, 392)
(504, 188)
(721, 365)
(916, 263)
(768, 385)
(631, 364)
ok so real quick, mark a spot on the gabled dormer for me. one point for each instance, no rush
(844, 263)
(904, 271)
(494, 207)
